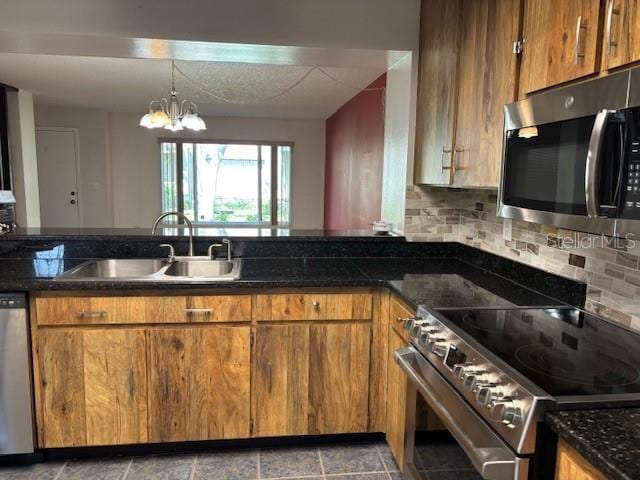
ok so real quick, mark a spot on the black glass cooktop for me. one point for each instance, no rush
(562, 350)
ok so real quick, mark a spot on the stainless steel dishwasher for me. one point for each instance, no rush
(16, 405)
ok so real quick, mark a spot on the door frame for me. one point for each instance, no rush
(76, 141)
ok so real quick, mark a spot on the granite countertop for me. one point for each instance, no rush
(415, 280)
(608, 438)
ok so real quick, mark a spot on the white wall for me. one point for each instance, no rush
(24, 166)
(399, 138)
(94, 179)
(136, 167)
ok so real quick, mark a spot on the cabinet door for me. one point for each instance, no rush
(570, 465)
(199, 383)
(560, 42)
(92, 387)
(311, 379)
(439, 36)
(487, 81)
(396, 400)
(621, 33)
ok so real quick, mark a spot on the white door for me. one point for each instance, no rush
(57, 151)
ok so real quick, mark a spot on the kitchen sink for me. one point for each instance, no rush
(183, 269)
(114, 269)
(200, 268)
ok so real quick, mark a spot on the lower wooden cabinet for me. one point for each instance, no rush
(199, 383)
(311, 378)
(93, 387)
(570, 465)
(396, 399)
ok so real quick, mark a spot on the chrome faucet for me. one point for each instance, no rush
(186, 220)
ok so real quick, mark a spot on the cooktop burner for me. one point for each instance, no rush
(562, 350)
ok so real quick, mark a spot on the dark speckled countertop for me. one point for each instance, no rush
(608, 438)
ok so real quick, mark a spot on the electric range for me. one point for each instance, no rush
(491, 374)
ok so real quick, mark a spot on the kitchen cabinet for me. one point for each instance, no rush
(621, 39)
(396, 400)
(91, 386)
(140, 368)
(311, 378)
(439, 38)
(465, 148)
(487, 80)
(570, 465)
(199, 386)
(560, 42)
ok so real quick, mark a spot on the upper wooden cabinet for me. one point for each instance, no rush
(439, 37)
(467, 64)
(560, 42)
(487, 80)
(621, 39)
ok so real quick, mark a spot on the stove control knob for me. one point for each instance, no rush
(460, 368)
(472, 379)
(408, 322)
(488, 393)
(437, 346)
(505, 411)
(424, 334)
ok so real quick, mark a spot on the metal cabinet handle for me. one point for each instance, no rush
(90, 314)
(198, 311)
(316, 304)
(444, 151)
(400, 319)
(580, 25)
(269, 378)
(456, 166)
(611, 11)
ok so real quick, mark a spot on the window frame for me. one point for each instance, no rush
(274, 223)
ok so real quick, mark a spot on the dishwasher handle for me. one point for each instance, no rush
(494, 459)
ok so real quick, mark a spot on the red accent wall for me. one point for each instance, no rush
(354, 152)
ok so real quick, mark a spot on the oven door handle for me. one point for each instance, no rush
(593, 163)
(497, 462)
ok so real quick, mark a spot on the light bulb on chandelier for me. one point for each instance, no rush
(171, 114)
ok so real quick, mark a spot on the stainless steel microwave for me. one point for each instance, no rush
(571, 157)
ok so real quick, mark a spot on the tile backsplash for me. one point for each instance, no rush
(610, 267)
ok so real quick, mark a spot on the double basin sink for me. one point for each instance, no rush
(183, 269)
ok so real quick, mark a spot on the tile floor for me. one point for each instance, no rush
(368, 461)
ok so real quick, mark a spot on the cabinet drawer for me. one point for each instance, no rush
(141, 310)
(397, 313)
(353, 306)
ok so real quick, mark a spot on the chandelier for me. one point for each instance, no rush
(172, 114)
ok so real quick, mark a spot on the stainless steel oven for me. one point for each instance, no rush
(488, 453)
(571, 157)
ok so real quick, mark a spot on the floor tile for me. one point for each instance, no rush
(452, 475)
(290, 462)
(395, 475)
(166, 467)
(227, 466)
(360, 476)
(387, 457)
(38, 471)
(100, 469)
(442, 456)
(351, 459)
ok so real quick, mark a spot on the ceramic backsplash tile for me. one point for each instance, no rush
(610, 267)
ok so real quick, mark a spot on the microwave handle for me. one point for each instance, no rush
(593, 163)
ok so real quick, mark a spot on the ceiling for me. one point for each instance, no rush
(219, 88)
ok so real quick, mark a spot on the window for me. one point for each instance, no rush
(220, 183)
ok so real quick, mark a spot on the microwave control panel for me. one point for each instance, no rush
(631, 206)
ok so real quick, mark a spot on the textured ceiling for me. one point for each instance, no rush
(222, 89)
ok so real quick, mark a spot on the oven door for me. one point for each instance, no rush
(493, 459)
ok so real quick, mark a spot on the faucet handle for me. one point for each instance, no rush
(172, 253)
(210, 249)
(227, 242)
